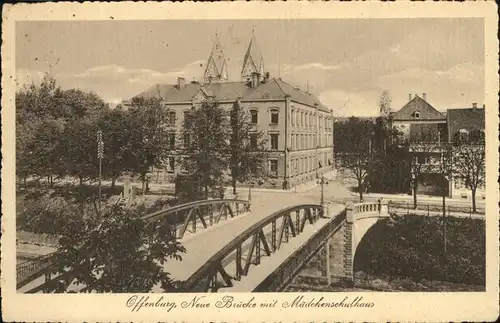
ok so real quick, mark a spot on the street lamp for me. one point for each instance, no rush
(322, 183)
(100, 156)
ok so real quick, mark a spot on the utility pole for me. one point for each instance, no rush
(100, 156)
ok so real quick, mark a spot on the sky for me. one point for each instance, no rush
(346, 63)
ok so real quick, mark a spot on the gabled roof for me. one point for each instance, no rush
(417, 104)
(469, 119)
(273, 89)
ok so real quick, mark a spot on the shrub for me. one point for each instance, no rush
(414, 247)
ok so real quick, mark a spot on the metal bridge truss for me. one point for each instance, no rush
(190, 217)
(266, 236)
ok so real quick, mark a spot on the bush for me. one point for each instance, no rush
(49, 215)
(414, 247)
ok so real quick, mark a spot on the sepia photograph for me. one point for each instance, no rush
(277, 155)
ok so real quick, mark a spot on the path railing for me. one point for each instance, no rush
(284, 225)
(31, 269)
(428, 208)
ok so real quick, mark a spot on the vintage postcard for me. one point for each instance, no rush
(250, 161)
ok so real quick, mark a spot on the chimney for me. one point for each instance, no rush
(484, 106)
(255, 79)
(424, 96)
(409, 97)
(474, 105)
(181, 82)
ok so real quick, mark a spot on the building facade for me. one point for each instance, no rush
(426, 131)
(299, 128)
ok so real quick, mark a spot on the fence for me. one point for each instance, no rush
(428, 208)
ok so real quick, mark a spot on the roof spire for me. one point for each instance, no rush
(253, 61)
(216, 69)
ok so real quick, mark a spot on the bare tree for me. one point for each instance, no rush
(385, 104)
(422, 148)
(469, 161)
(359, 164)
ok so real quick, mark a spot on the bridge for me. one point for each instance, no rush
(233, 246)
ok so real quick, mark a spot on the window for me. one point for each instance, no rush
(170, 164)
(422, 159)
(416, 114)
(274, 141)
(171, 140)
(292, 118)
(254, 116)
(273, 167)
(183, 166)
(253, 140)
(274, 116)
(187, 140)
(171, 117)
(293, 141)
(301, 119)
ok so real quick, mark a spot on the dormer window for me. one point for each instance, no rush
(416, 114)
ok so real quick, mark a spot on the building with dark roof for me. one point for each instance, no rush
(299, 127)
(465, 120)
(425, 128)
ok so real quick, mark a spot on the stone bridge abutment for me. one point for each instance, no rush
(334, 263)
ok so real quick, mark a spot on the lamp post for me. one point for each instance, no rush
(100, 156)
(322, 183)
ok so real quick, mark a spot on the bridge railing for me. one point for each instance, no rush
(267, 235)
(189, 217)
(366, 207)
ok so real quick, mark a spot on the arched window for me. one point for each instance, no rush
(254, 116)
(275, 115)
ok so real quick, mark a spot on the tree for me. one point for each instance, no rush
(78, 146)
(359, 164)
(51, 126)
(420, 150)
(385, 104)
(119, 254)
(469, 160)
(148, 144)
(247, 147)
(356, 156)
(115, 125)
(206, 146)
(42, 151)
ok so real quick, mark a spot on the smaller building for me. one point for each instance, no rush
(426, 131)
(423, 128)
(462, 122)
